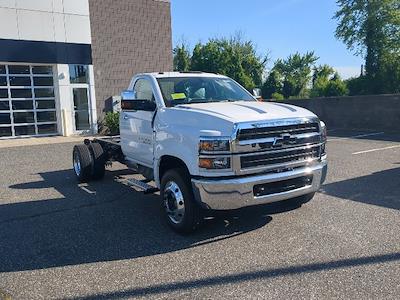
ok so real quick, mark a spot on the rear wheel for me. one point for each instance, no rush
(181, 211)
(82, 163)
(98, 160)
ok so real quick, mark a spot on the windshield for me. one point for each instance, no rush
(183, 90)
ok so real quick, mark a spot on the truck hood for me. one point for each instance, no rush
(245, 111)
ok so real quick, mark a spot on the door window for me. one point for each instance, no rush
(143, 90)
(78, 74)
(81, 108)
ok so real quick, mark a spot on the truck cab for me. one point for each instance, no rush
(208, 144)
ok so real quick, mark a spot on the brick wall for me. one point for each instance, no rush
(128, 37)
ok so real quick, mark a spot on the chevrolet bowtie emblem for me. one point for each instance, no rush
(284, 139)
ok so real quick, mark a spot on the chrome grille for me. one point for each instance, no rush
(270, 132)
(302, 139)
(277, 145)
(280, 157)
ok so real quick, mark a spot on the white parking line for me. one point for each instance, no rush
(377, 149)
(356, 136)
(87, 190)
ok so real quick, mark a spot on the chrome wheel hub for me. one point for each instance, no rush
(173, 202)
(77, 164)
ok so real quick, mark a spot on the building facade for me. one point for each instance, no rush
(60, 60)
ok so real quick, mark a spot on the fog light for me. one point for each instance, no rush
(215, 163)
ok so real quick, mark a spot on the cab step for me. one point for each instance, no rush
(143, 186)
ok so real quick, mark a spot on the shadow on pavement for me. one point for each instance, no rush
(115, 223)
(363, 135)
(244, 277)
(380, 188)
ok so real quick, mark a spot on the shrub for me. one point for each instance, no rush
(111, 122)
(277, 96)
(357, 86)
(336, 87)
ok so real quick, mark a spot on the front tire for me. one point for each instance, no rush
(180, 209)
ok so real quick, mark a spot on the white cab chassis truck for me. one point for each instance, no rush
(206, 143)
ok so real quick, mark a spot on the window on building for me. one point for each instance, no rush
(78, 74)
(44, 93)
(20, 81)
(3, 93)
(43, 81)
(3, 80)
(42, 70)
(17, 69)
(27, 102)
(5, 131)
(4, 105)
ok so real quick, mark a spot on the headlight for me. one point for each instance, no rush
(324, 138)
(215, 163)
(214, 145)
(323, 132)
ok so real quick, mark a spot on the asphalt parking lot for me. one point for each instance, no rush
(104, 240)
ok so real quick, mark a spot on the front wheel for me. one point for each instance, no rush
(181, 211)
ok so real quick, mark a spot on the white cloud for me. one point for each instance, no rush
(348, 72)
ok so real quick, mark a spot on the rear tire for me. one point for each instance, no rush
(98, 160)
(181, 211)
(82, 163)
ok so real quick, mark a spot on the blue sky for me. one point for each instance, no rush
(280, 27)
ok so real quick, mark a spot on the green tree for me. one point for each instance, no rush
(181, 58)
(273, 85)
(389, 75)
(357, 86)
(336, 87)
(371, 28)
(296, 73)
(321, 76)
(327, 83)
(232, 57)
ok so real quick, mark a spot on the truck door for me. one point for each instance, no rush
(136, 123)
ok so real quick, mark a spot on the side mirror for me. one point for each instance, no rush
(257, 93)
(130, 103)
(138, 104)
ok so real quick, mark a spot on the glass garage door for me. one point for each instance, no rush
(27, 104)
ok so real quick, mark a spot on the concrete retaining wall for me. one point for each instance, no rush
(380, 112)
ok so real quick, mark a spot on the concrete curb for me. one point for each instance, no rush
(34, 141)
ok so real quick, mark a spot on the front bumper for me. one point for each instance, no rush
(226, 194)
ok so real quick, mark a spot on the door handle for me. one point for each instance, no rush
(126, 117)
